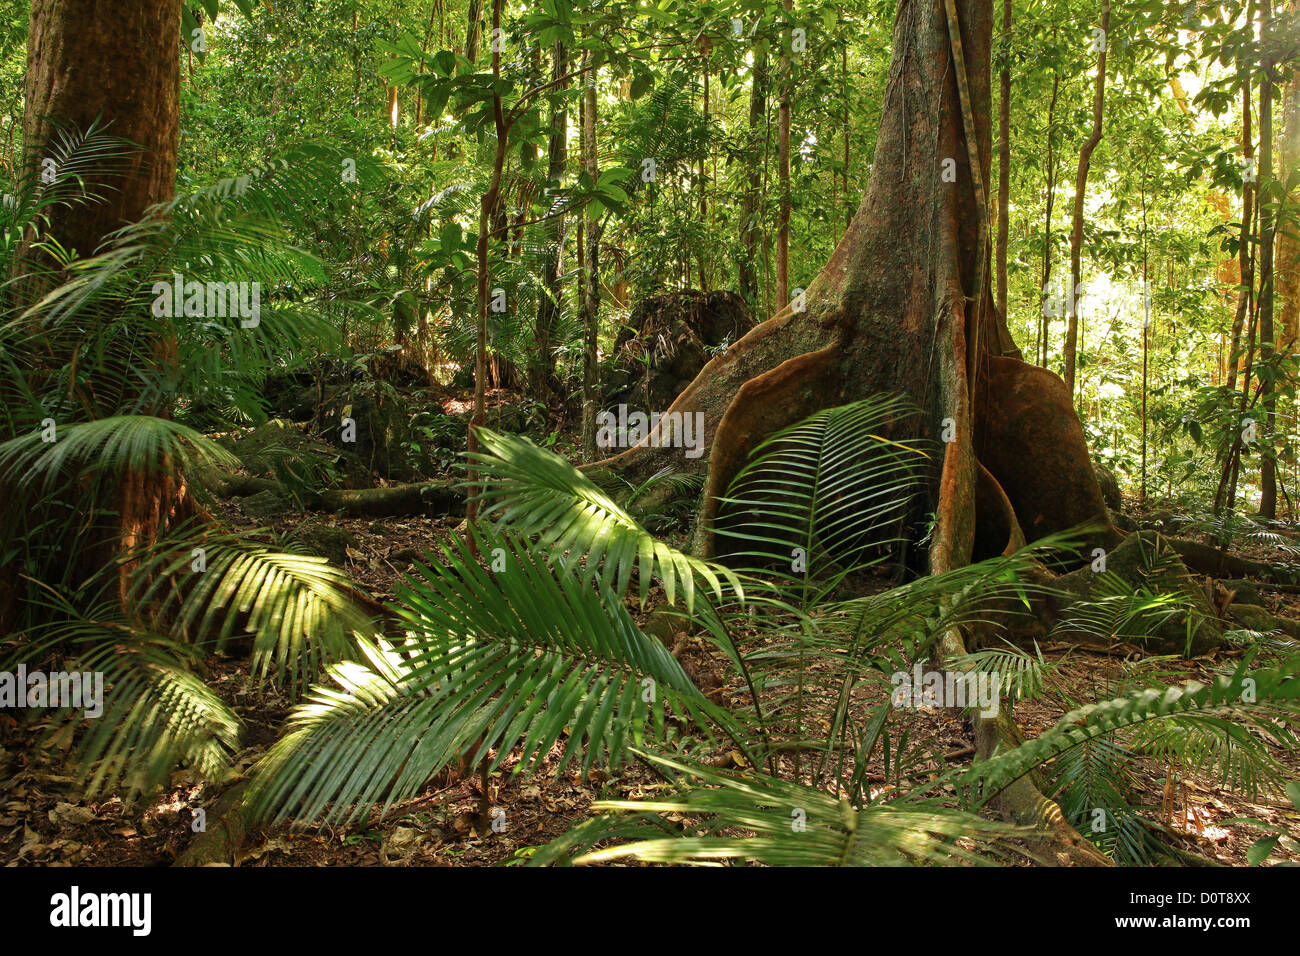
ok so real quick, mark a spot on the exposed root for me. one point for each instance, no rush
(1030, 439)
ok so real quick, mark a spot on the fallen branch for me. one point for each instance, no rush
(1207, 559)
(440, 497)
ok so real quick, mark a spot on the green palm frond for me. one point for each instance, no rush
(1262, 699)
(1127, 613)
(507, 659)
(783, 824)
(824, 493)
(812, 666)
(81, 162)
(1222, 750)
(1093, 783)
(532, 491)
(138, 443)
(156, 710)
(902, 623)
(1022, 675)
(303, 612)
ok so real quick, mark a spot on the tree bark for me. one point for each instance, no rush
(88, 62)
(905, 306)
(91, 60)
(1268, 228)
(1004, 164)
(1080, 186)
(751, 210)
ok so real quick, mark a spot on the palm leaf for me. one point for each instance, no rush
(784, 824)
(535, 492)
(505, 660)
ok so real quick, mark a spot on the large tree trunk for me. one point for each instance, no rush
(118, 65)
(489, 202)
(904, 306)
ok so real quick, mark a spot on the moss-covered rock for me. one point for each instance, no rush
(1146, 560)
(1122, 521)
(372, 424)
(1254, 618)
(267, 504)
(1109, 487)
(1247, 591)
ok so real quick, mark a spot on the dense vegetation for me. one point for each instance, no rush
(307, 280)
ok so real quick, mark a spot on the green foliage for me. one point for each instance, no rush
(534, 492)
(512, 657)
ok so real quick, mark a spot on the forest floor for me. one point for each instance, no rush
(43, 821)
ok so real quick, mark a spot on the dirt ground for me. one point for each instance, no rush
(43, 822)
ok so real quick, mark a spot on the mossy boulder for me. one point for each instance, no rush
(1252, 617)
(1109, 487)
(371, 423)
(1122, 521)
(1146, 560)
(1246, 591)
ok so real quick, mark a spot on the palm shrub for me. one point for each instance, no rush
(92, 383)
(504, 656)
(808, 656)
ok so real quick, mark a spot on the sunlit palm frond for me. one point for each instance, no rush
(534, 492)
(773, 822)
(500, 660)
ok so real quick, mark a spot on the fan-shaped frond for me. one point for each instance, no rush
(823, 493)
(139, 443)
(301, 611)
(155, 712)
